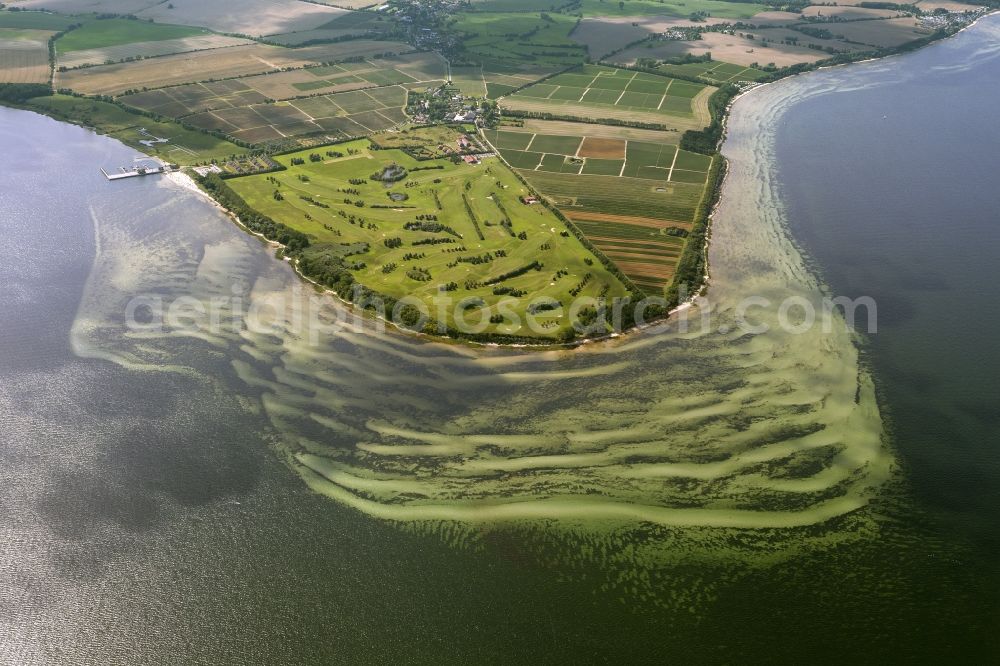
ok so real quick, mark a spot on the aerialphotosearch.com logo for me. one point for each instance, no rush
(311, 316)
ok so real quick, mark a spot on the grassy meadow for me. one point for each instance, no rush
(115, 32)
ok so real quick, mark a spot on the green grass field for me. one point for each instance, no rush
(36, 20)
(505, 39)
(113, 32)
(184, 146)
(620, 196)
(607, 92)
(492, 193)
(684, 8)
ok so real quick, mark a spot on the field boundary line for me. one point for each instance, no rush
(635, 74)
(540, 160)
(578, 147)
(527, 148)
(670, 174)
(666, 91)
(624, 161)
(292, 104)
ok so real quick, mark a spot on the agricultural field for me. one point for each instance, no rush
(604, 92)
(415, 70)
(87, 6)
(35, 21)
(634, 200)
(632, 9)
(713, 70)
(606, 34)
(182, 146)
(224, 63)
(849, 13)
(503, 40)
(350, 4)
(731, 49)
(255, 18)
(347, 24)
(115, 32)
(880, 33)
(681, 8)
(181, 101)
(502, 81)
(593, 155)
(565, 127)
(335, 116)
(640, 224)
(24, 55)
(456, 226)
(139, 50)
(469, 80)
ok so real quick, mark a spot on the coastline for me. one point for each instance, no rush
(717, 195)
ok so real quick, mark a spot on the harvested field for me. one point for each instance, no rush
(245, 17)
(24, 56)
(215, 64)
(147, 49)
(730, 49)
(611, 149)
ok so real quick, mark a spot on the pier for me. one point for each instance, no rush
(139, 169)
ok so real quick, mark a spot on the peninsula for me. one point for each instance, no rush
(508, 171)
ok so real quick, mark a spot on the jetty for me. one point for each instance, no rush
(143, 166)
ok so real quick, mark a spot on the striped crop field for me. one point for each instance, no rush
(606, 92)
(24, 55)
(599, 156)
(639, 223)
